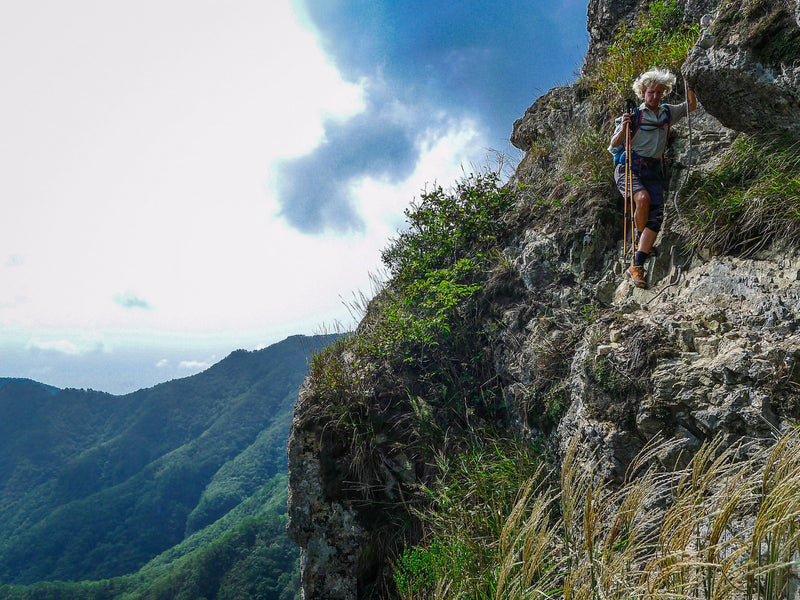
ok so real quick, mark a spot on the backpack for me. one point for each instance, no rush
(636, 124)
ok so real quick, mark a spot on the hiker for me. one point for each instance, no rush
(650, 125)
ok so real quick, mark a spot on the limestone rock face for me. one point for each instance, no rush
(326, 528)
(603, 17)
(746, 71)
(715, 354)
(549, 117)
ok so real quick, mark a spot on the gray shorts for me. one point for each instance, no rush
(651, 183)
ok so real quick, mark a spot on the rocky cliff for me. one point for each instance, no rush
(573, 351)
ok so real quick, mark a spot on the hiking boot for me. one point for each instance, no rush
(637, 276)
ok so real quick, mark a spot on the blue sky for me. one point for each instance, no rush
(182, 179)
(425, 69)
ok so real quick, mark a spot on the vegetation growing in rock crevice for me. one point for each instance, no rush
(659, 37)
(765, 26)
(751, 199)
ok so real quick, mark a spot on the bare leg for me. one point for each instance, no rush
(642, 212)
(647, 240)
(648, 236)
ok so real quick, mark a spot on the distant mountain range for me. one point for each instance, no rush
(95, 486)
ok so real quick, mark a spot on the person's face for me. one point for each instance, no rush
(653, 95)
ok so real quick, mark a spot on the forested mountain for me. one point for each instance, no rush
(190, 472)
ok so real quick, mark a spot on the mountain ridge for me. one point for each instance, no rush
(93, 485)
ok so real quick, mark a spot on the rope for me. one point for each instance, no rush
(674, 279)
(688, 154)
(679, 270)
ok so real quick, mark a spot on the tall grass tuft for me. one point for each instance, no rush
(750, 200)
(725, 527)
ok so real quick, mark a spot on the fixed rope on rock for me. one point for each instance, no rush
(688, 153)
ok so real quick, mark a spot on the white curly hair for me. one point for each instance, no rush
(653, 77)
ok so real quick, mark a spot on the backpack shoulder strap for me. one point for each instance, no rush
(636, 121)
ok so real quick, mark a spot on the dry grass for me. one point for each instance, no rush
(726, 527)
(749, 201)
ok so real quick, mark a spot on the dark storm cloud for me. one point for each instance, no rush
(463, 59)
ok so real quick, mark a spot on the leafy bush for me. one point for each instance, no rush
(421, 569)
(424, 318)
(447, 226)
(428, 312)
(438, 265)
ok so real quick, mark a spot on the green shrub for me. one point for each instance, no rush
(422, 314)
(425, 318)
(448, 225)
(421, 569)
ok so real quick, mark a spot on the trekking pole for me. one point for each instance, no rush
(630, 108)
(625, 199)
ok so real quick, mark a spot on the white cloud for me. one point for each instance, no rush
(145, 167)
(59, 346)
(84, 344)
(162, 364)
(194, 365)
